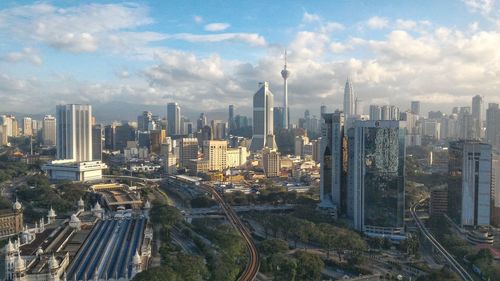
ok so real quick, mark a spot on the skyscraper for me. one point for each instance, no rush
(285, 73)
(97, 131)
(143, 120)
(271, 162)
(469, 186)
(493, 124)
(262, 119)
(415, 107)
(215, 152)
(74, 132)
(230, 120)
(27, 128)
(188, 149)
(477, 115)
(375, 112)
(278, 113)
(49, 130)
(333, 187)
(376, 179)
(173, 119)
(201, 122)
(349, 99)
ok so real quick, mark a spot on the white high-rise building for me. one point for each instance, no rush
(477, 115)
(27, 128)
(74, 132)
(263, 119)
(349, 99)
(286, 110)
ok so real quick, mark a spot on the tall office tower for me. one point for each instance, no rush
(493, 124)
(389, 112)
(469, 186)
(300, 141)
(8, 121)
(262, 118)
(415, 107)
(477, 115)
(27, 128)
(285, 73)
(230, 120)
(271, 162)
(322, 110)
(97, 131)
(110, 137)
(376, 180)
(466, 124)
(204, 134)
(15, 127)
(74, 132)
(349, 99)
(278, 113)
(174, 119)
(219, 129)
(215, 152)
(4, 139)
(188, 149)
(144, 120)
(201, 122)
(241, 121)
(188, 128)
(411, 121)
(375, 112)
(333, 163)
(49, 131)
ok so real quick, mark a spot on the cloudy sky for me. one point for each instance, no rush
(206, 55)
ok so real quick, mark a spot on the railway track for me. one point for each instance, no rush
(252, 267)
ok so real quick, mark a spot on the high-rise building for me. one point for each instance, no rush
(466, 124)
(97, 142)
(469, 186)
(188, 149)
(10, 124)
(271, 162)
(174, 119)
(389, 112)
(74, 132)
(300, 141)
(375, 112)
(144, 120)
(230, 120)
(477, 115)
(333, 159)
(49, 135)
(278, 118)
(110, 137)
(493, 124)
(201, 122)
(285, 73)
(219, 129)
(27, 127)
(349, 99)
(322, 110)
(262, 118)
(415, 107)
(215, 152)
(4, 139)
(376, 178)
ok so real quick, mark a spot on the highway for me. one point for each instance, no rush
(456, 266)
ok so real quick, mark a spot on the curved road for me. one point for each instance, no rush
(456, 266)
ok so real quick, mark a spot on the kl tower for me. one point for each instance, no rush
(286, 112)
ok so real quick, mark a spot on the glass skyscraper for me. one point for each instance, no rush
(376, 181)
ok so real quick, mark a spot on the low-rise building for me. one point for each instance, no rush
(74, 171)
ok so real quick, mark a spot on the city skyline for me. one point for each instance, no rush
(151, 54)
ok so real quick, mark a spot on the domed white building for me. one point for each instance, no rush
(75, 222)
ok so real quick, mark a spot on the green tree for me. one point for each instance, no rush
(161, 273)
(189, 268)
(309, 266)
(284, 268)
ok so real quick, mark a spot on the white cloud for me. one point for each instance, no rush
(75, 29)
(377, 23)
(307, 17)
(217, 26)
(27, 54)
(482, 6)
(198, 19)
(250, 38)
(337, 47)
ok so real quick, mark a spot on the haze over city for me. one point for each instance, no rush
(122, 54)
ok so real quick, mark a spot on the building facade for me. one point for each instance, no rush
(74, 132)
(262, 118)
